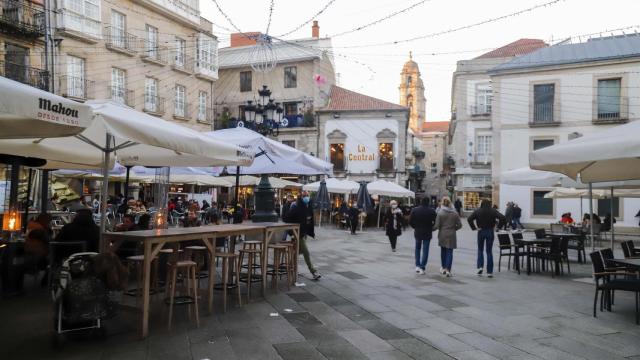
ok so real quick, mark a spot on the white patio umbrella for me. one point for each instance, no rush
(135, 138)
(387, 188)
(335, 186)
(245, 180)
(609, 155)
(526, 176)
(27, 112)
(278, 183)
(279, 159)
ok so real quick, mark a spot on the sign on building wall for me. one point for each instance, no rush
(363, 140)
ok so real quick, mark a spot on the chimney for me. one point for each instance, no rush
(315, 29)
(244, 39)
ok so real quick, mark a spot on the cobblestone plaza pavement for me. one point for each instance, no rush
(369, 304)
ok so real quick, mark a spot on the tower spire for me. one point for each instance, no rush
(410, 55)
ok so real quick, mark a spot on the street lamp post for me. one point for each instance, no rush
(265, 117)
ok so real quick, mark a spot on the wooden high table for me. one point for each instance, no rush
(154, 241)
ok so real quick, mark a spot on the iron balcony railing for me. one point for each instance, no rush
(611, 109)
(480, 110)
(117, 39)
(35, 77)
(182, 62)
(122, 95)
(155, 52)
(154, 104)
(181, 110)
(21, 18)
(543, 113)
(205, 115)
(76, 87)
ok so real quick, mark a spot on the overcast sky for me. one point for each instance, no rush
(375, 70)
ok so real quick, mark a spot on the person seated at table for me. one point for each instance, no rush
(143, 222)
(128, 223)
(212, 214)
(238, 214)
(205, 205)
(140, 208)
(172, 205)
(82, 228)
(192, 218)
(36, 246)
(566, 218)
(606, 225)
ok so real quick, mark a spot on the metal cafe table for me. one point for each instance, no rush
(154, 241)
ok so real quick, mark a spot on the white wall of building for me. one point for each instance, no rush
(576, 95)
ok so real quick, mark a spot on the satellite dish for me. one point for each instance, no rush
(285, 123)
(240, 124)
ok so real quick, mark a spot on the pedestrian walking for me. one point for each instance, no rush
(517, 213)
(508, 214)
(393, 224)
(301, 212)
(458, 205)
(354, 213)
(285, 212)
(447, 223)
(485, 220)
(422, 219)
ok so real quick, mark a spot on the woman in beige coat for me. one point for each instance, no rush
(447, 223)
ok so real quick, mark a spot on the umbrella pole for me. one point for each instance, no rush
(44, 191)
(379, 210)
(126, 183)
(235, 202)
(104, 191)
(593, 244)
(581, 212)
(612, 219)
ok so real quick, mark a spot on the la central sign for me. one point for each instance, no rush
(362, 155)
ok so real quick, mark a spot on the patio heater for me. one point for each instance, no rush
(161, 198)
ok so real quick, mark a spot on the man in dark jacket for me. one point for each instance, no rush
(301, 212)
(354, 213)
(485, 220)
(422, 219)
(458, 205)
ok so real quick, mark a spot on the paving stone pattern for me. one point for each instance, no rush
(369, 304)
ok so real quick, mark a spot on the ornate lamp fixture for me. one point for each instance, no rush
(265, 116)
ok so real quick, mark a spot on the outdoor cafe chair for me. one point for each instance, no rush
(552, 255)
(632, 248)
(607, 282)
(540, 233)
(506, 249)
(628, 250)
(557, 228)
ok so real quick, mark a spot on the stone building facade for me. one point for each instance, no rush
(156, 56)
(471, 148)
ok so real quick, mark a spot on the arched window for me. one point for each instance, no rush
(409, 79)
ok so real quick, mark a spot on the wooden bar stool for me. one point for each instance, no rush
(290, 257)
(253, 257)
(137, 262)
(229, 266)
(199, 254)
(280, 256)
(253, 244)
(189, 267)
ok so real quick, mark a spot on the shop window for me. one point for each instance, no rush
(385, 154)
(337, 157)
(541, 205)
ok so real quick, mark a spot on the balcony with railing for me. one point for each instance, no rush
(544, 114)
(75, 87)
(483, 110)
(182, 112)
(121, 41)
(122, 95)
(21, 18)
(181, 10)
(32, 76)
(182, 62)
(205, 115)
(155, 54)
(77, 26)
(611, 111)
(154, 105)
